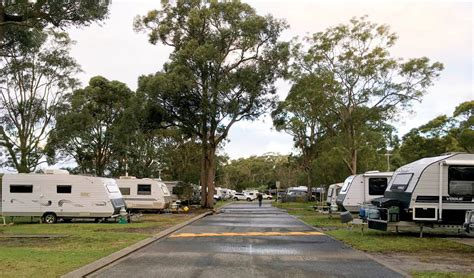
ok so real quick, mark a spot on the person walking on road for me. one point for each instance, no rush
(260, 198)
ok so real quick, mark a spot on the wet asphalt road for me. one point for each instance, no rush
(247, 255)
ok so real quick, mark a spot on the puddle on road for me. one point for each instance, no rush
(256, 225)
(257, 250)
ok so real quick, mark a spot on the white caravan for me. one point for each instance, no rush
(144, 194)
(58, 195)
(362, 189)
(333, 191)
(435, 190)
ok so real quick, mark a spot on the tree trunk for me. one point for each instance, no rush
(23, 162)
(2, 20)
(208, 172)
(354, 161)
(203, 178)
(211, 176)
(352, 149)
(309, 181)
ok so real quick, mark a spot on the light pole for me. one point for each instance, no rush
(160, 168)
(388, 161)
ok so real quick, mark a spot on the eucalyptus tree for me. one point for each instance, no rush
(224, 61)
(441, 134)
(87, 127)
(357, 58)
(33, 81)
(305, 114)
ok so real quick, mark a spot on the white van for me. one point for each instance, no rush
(144, 194)
(58, 195)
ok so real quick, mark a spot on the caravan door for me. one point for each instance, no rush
(374, 187)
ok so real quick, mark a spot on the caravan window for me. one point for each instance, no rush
(63, 189)
(144, 189)
(377, 186)
(330, 192)
(401, 181)
(461, 181)
(17, 188)
(125, 190)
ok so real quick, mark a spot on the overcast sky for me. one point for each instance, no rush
(440, 30)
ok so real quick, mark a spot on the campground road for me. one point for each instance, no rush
(247, 241)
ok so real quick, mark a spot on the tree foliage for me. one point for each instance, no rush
(40, 14)
(33, 81)
(441, 135)
(258, 171)
(305, 114)
(222, 70)
(87, 128)
(368, 83)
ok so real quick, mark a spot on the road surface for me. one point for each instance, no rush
(247, 241)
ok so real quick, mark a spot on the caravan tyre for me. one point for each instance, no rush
(50, 218)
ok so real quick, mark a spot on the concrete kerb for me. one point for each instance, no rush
(105, 261)
(218, 210)
(399, 271)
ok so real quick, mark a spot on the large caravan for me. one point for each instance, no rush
(144, 194)
(361, 189)
(58, 195)
(434, 190)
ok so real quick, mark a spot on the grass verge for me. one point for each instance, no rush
(82, 243)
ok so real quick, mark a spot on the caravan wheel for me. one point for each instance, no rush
(50, 218)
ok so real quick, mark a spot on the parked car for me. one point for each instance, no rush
(267, 196)
(242, 196)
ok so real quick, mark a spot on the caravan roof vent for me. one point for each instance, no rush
(372, 172)
(56, 172)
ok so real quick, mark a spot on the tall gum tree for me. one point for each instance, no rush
(33, 82)
(305, 115)
(85, 129)
(357, 57)
(222, 69)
